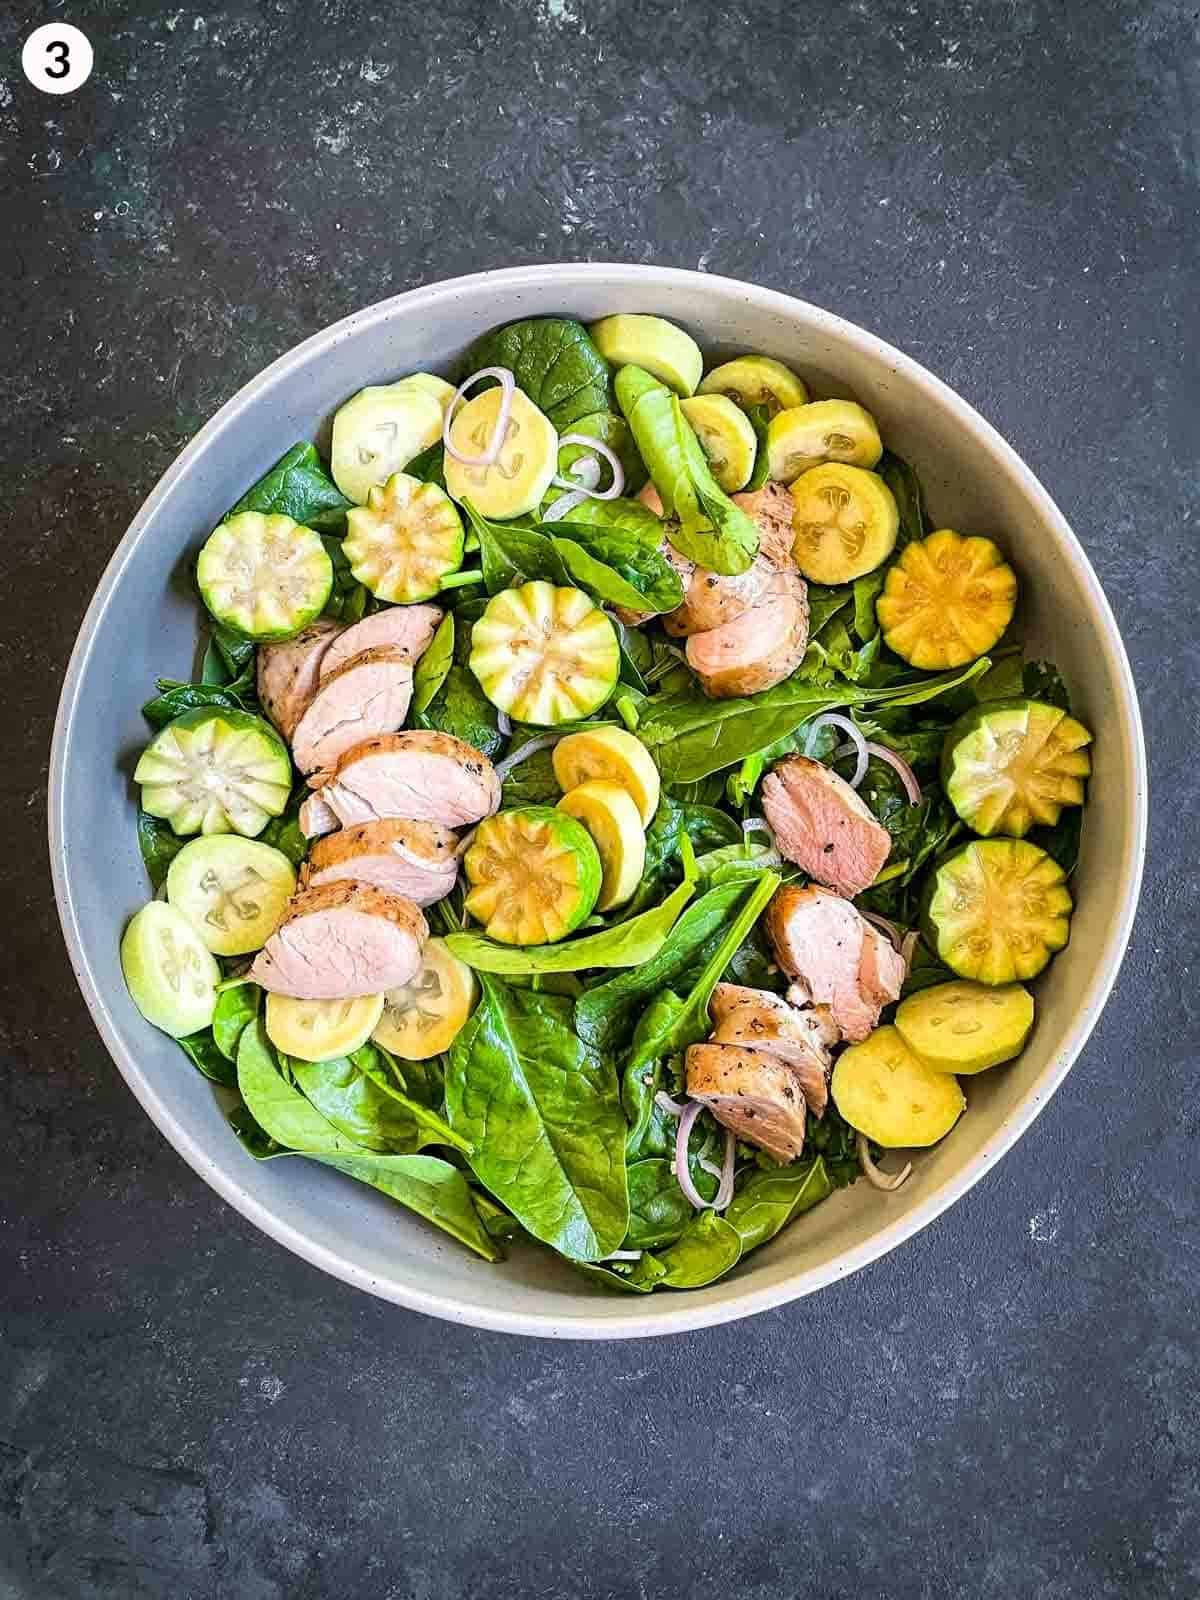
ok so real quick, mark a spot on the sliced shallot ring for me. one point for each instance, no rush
(508, 383)
(875, 1176)
(898, 764)
(834, 719)
(725, 1192)
(590, 492)
(515, 757)
(682, 1174)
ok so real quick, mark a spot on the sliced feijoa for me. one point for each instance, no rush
(405, 540)
(611, 754)
(966, 1027)
(266, 577)
(726, 436)
(516, 480)
(215, 771)
(756, 381)
(997, 910)
(321, 1030)
(845, 522)
(657, 346)
(825, 430)
(379, 431)
(611, 817)
(535, 875)
(946, 600)
(885, 1091)
(232, 890)
(423, 1018)
(441, 391)
(171, 975)
(1008, 765)
(545, 655)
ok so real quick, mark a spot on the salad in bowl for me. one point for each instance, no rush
(606, 809)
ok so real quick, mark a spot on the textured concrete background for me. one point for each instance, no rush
(1005, 1406)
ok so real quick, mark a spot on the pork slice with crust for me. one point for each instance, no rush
(412, 859)
(823, 825)
(369, 694)
(760, 1020)
(342, 940)
(288, 673)
(755, 1095)
(406, 628)
(836, 957)
(711, 599)
(424, 776)
(772, 508)
(761, 648)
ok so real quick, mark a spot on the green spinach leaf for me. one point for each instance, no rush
(430, 465)
(278, 1108)
(555, 362)
(766, 1201)
(543, 1114)
(159, 844)
(708, 1248)
(283, 832)
(201, 1050)
(298, 486)
(431, 669)
(659, 1210)
(355, 1094)
(906, 487)
(237, 1007)
(1041, 680)
(759, 416)
(236, 652)
(616, 570)
(348, 601)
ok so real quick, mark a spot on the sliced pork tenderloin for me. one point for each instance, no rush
(823, 825)
(836, 957)
(413, 859)
(752, 1093)
(340, 941)
(288, 673)
(406, 628)
(368, 695)
(759, 649)
(772, 508)
(422, 776)
(759, 1020)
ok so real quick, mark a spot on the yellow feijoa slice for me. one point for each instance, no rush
(1010, 765)
(996, 910)
(535, 875)
(611, 817)
(544, 654)
(885, 1091)
(405, 540)
(655, 345)
(379, 431)
(946, 600)
(726, 437)
(613, 755)
(423, 1018)
(825, 430)
(321, 1030)
(441, 391)
(845, 522)
(966, 1027)
(520, 475)
(756, 381)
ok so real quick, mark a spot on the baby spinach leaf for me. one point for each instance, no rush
(708, 1248)
(710, 530)
(348, 601)
(423, 1081)
(512, 554)
(283, 832)
(430, 672)
(253, 1139)
(906, 487)
(532, 783)
(924, 971)
(628, 519)
(766, 1201)
(615, 570)
(429, 1127)
(542, 1112)
(1041, 680)
(500, 1224)
(627, 944)
(835, 1141)
(866, 591)
(280, 1110)
(691, 736)
(298, 486)
(173, 699)
(426, 1185)
(703, 825)
(759, 417)
(460, 707)
(1062, 839)
(354, 1094)
(236, 652)
(554, 361)
(606, 1015)
(430, 465)
(659, 1210)
(159, 844)
(213, 670)
(201, 1050)
(237, 1007)
(826, 603)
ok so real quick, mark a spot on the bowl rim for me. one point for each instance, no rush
(681, 1314)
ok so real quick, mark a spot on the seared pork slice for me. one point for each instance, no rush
(761, 648)
(836, 957)
(426, 777)
(412, 859)
(288, 673)
(342, 940)
(370, 694)
(823, 825)
(767, 1022)
(316, 817)
(752, 1093)
(772, 508)
(407, 628)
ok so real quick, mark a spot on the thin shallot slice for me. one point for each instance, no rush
(514, 758)
(834, 719)
(499, 432)
(898, 764)
(875, 1176)
(682, 1173)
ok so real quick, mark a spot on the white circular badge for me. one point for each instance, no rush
(57, 58)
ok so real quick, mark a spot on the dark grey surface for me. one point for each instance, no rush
(1006, 1405)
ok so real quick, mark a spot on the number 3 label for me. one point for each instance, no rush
(57, 58)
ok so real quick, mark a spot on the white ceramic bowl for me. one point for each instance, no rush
(144, 621)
